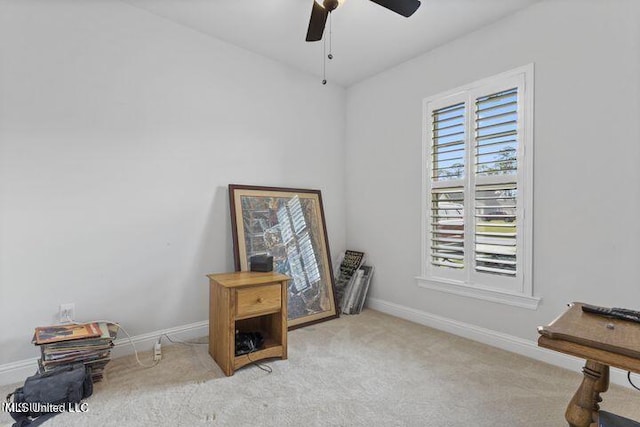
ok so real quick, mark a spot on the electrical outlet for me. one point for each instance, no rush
(67, 312)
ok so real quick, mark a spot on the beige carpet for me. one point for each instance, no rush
(364, 370)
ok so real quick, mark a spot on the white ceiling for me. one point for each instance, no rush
(366, 39)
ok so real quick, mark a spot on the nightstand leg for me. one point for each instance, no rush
(583, 408)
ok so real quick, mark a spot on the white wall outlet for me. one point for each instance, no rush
(67, 313)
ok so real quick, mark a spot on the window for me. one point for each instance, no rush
(477, 233)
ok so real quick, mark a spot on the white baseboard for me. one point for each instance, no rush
(487, 336)
(17, 372)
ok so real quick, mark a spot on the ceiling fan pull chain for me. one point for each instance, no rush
(330, 50)
(324, 61)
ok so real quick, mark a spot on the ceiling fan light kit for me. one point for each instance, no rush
(330, 5)
(322, 8)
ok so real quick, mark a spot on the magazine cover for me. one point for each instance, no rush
(49, 334)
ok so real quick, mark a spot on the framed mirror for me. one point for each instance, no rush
(288, 224)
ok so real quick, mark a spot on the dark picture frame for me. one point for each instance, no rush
(288, 224)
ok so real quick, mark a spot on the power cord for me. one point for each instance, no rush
(174, 341)
(135, 350)
(631, 382)
(262, 366)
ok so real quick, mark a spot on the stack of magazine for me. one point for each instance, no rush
(68, 344)
(353, 282)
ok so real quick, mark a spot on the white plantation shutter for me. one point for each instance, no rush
(449, 145)
(447, 227)
(496, 190)
(477, 186)
(496, 133)
(495, 229)
(447, 164)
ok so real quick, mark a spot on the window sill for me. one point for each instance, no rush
(487, 294)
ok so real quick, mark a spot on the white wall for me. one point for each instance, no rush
(119, 133)
(587, 156)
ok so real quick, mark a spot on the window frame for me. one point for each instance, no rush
(517, 291)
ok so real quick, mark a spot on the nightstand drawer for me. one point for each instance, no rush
(258, 299)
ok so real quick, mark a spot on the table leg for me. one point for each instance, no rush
(583, 408)
(602, 384)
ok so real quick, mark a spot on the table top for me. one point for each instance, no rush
(612, 341)
(247, 278)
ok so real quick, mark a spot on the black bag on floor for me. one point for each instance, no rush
(64, 388)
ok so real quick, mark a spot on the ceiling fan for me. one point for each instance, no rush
(322, 9)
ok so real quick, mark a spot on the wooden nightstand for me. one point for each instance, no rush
(247, 302)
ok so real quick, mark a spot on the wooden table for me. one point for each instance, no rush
(603, 342)
(247, 302)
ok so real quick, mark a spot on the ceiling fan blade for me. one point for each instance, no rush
(316, 23)
(402, 7)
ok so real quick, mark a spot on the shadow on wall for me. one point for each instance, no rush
(213, 255)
